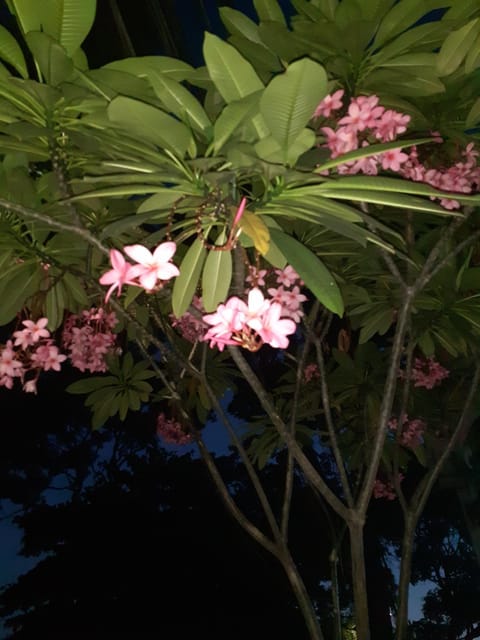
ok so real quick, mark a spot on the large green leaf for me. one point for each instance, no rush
(52, 59)
(238, 23)
(311, 269)
(233, 76)
(28, 14)
(186, 283)
(290, 99)
(456, 46)
(68, 21)
(232, 117)
(11, 52)
(144, 65)
(217, 276)
(151, 123)
(180, 102)
(271, 150)
(402, 15)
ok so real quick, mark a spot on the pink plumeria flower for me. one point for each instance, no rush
(122, 273)
(330, 103)
(30, 386)
(32, 333)
(48, 357)
(273, 329)
(153, 266)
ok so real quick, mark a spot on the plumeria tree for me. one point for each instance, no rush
(300, 213)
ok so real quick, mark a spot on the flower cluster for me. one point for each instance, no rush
(149, 272)
(311, 372)
(249, 325)
(32, 352)
(386, 490)
(426, 373)
(411, 435)
(364, 123)
(461, 177)
(172, 431)
(191, 327)
(88, 338)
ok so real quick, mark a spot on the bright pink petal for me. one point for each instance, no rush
(164, 252)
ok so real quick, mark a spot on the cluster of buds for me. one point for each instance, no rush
(385, 489)
(426, 373)
(31, 352)
(411, 435)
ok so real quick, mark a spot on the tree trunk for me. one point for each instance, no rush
(359, 580)
(405, 575)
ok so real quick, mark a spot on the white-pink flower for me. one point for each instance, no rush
(155, 266)
(32, 333)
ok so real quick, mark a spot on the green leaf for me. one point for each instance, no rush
(311, 270)
(143, 66)
(368, 151)
(186, 283)
(75, 290)
(91, 384)
(55, 305)
(456, 46)
(269, 10)
(22, 282)
(180, 102)
(68, 21)
(52, 59)
(289, 100)
(378, 322)
(150, 123)
(28, 13)
(217, 276)
(233, 76)
(402, 201)
(472, 61)
(11, 52)
(402, 15)
(270, 150)
(238, 23)
(233, 115)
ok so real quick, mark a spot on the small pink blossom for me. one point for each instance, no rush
(122, 273)
(171, 431)
(9, 364)
(32, 333)
(330, 103)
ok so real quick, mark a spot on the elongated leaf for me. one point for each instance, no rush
(366, 152)
(55, 306)
(150, 123)
(144, 65)
(473, 116)
(290, 99)
(238, 23)
(22, 283)
(270, 149)
(269, 10)
(456, 46)
(402, 15)
(400, 200)
(68, 21)
(186, 283)
(91, 384)
(180, 102)
(311, 269)
(217, 276)
(11, 52)
(233, 76)
(28, 14)
(52, 59)
(232, 117)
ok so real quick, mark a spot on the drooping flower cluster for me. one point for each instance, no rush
(88, 338)
(149, 271)
(385, 489)
(171, 431)
(311, 372)
(287, 293)
(462, 177)
(411, 435)
(191, 327)
(32, 352)
(250, 325)
(365, 122)
(426, 373)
